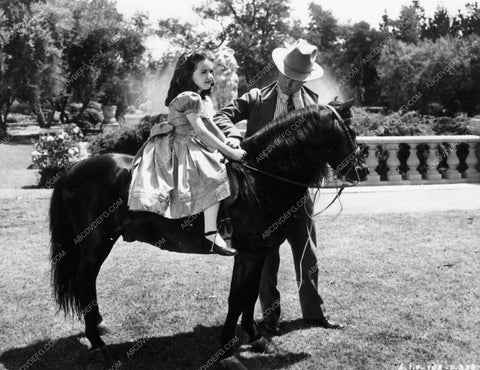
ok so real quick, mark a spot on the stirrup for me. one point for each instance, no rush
(225, 229)
(224, 251)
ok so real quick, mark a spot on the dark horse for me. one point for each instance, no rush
(88, 212)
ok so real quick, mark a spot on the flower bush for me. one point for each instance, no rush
(55, 153)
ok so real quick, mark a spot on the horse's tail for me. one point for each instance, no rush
(64, 253)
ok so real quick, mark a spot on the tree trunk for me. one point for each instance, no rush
(37, 107)
(3, 127)
(7, 103)
(52, 113)
(40, 117)
(62, 106)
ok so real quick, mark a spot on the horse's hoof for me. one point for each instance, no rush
(263, 345)
(106, 354)
(103, 353)
(103, 329)
(231, 363)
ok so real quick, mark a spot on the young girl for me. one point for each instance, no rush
(178, 172)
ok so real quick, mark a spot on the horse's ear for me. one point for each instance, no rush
(341, 106)
(348, 104)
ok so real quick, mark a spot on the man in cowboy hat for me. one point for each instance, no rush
(296, 65)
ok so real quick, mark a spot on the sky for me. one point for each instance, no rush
(345, 11)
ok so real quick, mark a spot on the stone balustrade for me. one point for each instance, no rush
(395, 160)
(404, 160)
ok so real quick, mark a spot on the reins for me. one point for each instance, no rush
(281, 178)
(318, 186)
(284, 179)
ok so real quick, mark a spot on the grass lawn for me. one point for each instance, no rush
(15, 156)
(14, 162)
(405, 284)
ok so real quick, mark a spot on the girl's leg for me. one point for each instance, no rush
(210, 216)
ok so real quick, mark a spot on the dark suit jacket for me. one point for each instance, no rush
(257, 107)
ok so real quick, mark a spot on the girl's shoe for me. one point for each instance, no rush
(224, 251)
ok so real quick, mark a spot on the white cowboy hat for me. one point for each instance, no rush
(298, 61)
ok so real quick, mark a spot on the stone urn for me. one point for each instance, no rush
(109, 116)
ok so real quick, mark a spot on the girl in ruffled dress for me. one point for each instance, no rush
(179, 170)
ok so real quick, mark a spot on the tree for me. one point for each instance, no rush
(105, 54)
(185, 34)
(468, 23)
(438, 26)
(252, 28)
(32, 64)
(323, 27)
(408, 27)
(442, 73)
(362, 50)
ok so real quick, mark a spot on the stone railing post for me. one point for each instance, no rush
(393, 163)
(432, 164)
(471, 161)
(413, 162)
(372, 163)
(453, 161)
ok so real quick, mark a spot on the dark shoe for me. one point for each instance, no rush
(324, 323)
(223, 251)
(271, 327)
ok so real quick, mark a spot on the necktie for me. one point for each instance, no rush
(290, 103)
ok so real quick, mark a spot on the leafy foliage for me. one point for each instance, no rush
(56, 153)
(91, 118)
(377, 124)
(441, 72)
(259, 25)
(127, 141)
(55, 51)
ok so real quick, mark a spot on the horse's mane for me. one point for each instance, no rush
(292, 145)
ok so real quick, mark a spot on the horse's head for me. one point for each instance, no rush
(299, 144)
(344, 154)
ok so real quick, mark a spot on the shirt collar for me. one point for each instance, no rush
(284, 97)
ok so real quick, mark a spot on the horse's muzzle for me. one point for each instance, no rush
(357, 173)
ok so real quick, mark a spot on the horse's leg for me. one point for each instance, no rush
(248, 323)
(92, 257)
(243, 293)
(257, 341)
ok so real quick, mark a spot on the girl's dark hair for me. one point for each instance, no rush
(182, 76)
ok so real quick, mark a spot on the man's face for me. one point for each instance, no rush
(287, 85)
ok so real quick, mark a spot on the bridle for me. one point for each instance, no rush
(317, 186)
(349, 134)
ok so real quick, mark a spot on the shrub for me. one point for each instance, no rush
(12, 118)
(433, 77)
(126, 141)
(21, 108)
(56, 153)
(377, 124)
(91, 117)
(451, 126)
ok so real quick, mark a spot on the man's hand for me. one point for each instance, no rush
(233, 142)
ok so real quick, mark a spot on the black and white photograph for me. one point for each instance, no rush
(239, 185)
